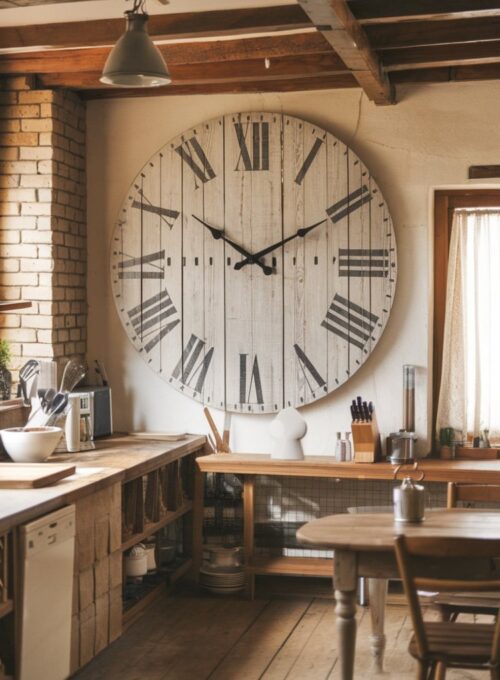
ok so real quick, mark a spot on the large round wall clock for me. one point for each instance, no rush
(253, 263)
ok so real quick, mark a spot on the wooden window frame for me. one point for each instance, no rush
(445, 202)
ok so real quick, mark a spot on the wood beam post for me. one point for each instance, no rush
(337, 24)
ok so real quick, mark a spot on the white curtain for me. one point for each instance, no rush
(469, 398)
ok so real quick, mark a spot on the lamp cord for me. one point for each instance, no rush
(138, 6)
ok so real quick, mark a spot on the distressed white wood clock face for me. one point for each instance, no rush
(253, 263)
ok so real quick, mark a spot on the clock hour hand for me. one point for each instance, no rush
(218, 234)
(300, 232)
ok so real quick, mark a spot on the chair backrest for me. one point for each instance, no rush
(478, 493)
(450, 565)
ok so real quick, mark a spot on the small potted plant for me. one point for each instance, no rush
(5, 374)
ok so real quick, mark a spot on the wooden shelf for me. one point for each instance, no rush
(292, 566)
(134, 612)
(6, 608)
(150, 529)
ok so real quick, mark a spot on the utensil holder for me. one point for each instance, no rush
(366, 441)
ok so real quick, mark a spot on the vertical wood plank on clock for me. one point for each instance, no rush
(205, 200)
(294, 313)
(337, 189)
(306, 262)
(214, 267)
(358, 224)
(254, 322)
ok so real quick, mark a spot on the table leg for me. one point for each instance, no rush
(345, 576)
(249, 532)
(377, 593)
(197, 520)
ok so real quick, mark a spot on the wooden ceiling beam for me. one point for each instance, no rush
(235, 87)
(161, 27)
(442, 55)
(448, 74)
(93, 58)
(420, 33)
(335, 21)
(302, 66)
(397, 11)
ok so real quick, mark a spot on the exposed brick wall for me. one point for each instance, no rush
(42, 220)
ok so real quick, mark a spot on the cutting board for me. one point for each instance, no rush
(32, 475)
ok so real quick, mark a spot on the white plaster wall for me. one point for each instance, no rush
(428, 140)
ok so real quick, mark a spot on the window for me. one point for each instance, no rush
(467, 311)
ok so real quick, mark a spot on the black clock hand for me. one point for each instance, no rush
(218, 234)
(300, 232)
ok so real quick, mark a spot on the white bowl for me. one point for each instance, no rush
(32, 445)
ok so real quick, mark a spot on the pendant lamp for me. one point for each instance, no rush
(135, 61)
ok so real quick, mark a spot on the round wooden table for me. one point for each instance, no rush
(363, 545)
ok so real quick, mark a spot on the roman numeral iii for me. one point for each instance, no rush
(151, 321)
(356, 262)
(193, 364)
(349, 204)
(254, 384)
(254, 152)
(350, 321)
(311, 375)
(193, 155)
(145, 267)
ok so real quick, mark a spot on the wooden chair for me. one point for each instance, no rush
(452, 604)
(444, 564)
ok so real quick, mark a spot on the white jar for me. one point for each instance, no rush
(136, 562)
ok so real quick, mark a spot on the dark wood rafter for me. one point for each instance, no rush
(160, 26)
(208, 52)
(336, 22)
(448, 74)
(442, 55)
(420, 33)
(397, 11)
(345, 80)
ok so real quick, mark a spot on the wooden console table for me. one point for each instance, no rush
(248, 466)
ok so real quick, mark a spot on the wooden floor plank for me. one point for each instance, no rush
(255, 651)
(198, 637)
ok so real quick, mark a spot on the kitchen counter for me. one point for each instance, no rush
(115, 459)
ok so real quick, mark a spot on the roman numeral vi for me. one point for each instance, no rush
(311, 375)
(255, 382)
(350, 321)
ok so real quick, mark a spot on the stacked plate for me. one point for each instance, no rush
(222, 580)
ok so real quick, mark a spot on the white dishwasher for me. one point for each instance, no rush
(47, 557)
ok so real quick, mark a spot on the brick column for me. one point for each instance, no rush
(42, 220)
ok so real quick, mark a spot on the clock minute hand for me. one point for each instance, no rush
(300, 232)
(218, 234)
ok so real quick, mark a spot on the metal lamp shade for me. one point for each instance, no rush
(135, 61)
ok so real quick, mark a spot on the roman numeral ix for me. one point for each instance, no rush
(255, 382)
(256, 156)
(145, 267)
(349, 204)
(356, 262)
(193, 155)
(350, 321)
(150, 319)
(311, 375)
(194, 363)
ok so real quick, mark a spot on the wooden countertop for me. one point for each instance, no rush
(115, 459)
(477, 471)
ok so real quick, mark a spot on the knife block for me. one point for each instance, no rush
(366, 441)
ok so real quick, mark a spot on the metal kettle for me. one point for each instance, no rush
(409, 498)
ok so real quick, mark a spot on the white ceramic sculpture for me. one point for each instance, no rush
(287, 429)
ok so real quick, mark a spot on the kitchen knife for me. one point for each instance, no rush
(366, 414)
(370, 409)
(353, 412)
